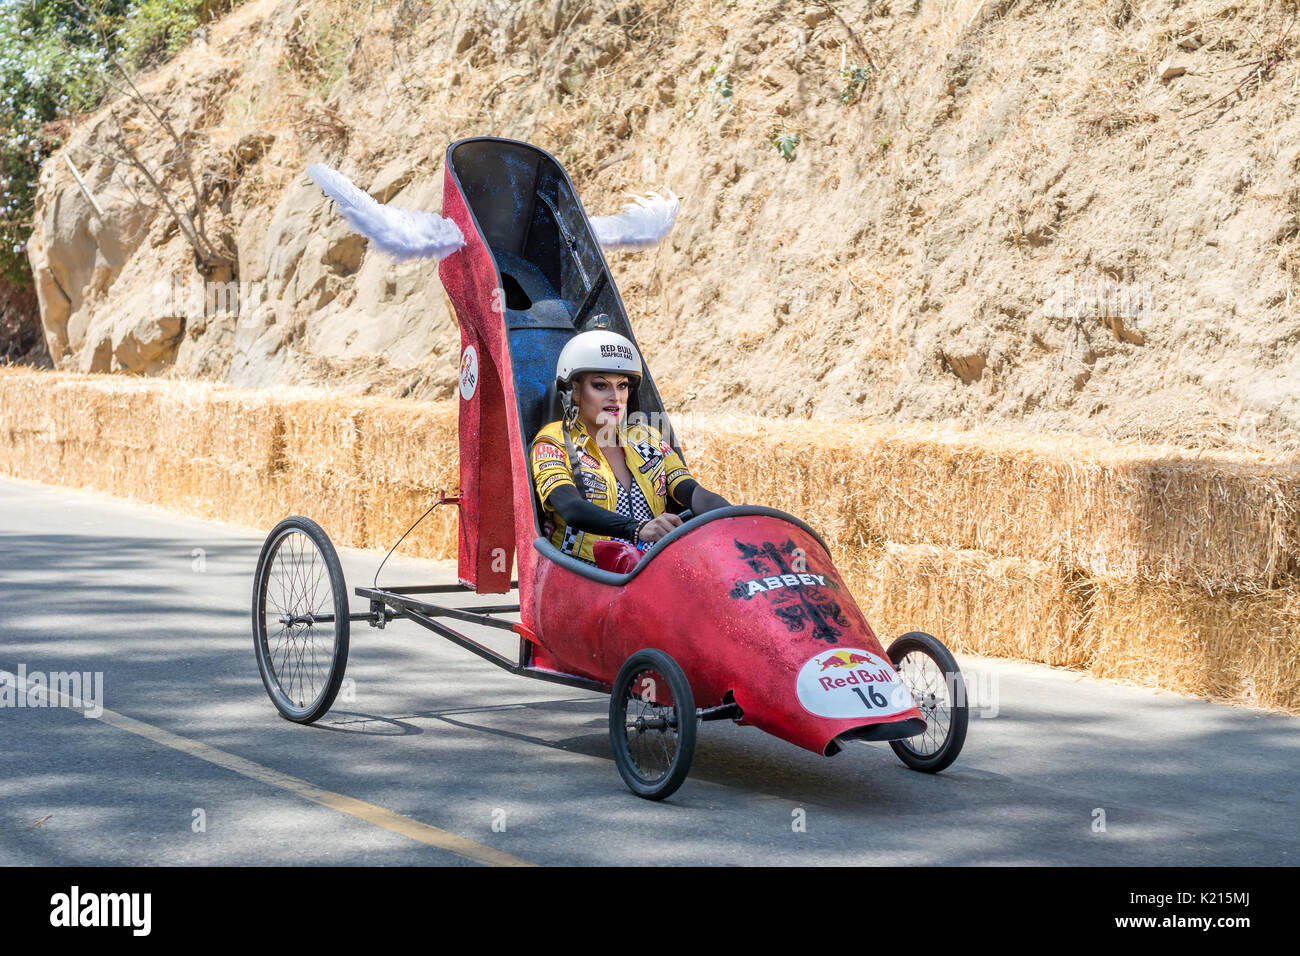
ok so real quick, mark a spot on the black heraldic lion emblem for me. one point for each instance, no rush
(800, 605)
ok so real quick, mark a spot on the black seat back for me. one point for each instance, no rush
(549, 263)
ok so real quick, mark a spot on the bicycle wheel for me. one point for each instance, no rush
(300, 619)
(930, 672)
(652, 724)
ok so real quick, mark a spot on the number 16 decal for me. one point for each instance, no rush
(877, 699)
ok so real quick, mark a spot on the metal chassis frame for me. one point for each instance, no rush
(387, 604)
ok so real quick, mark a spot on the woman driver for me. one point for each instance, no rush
(597, 478)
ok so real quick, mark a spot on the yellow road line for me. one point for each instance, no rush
(380, 817)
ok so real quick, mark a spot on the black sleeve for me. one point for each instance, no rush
(584, 516)
(691, 494)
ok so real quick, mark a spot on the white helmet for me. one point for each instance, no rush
(598, 351)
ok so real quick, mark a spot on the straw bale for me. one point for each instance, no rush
(127, 420)
(319, 434)
(396, 505)
(1147, 513)
(397, 456)
(337, 501)
(29, 443)
(368, 467)
(972, 601)
(32, 425)
(20, 407)
(34, 453)
(1239, 648)
(749, 464)
(1127, 512)
(410, 441)
(73, 414)
(117, 471)
(82, 413)
(1138, 562)
(212, 488)
(220, 425)
(28, 411)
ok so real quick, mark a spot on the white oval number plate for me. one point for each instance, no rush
(848, 682)
(468, 373)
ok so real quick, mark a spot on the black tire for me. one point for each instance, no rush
(301, 658)
(654, 743)
(930, 672)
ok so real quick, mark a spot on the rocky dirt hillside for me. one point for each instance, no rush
(1079, 215)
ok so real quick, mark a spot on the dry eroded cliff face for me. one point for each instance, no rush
(1078, 214)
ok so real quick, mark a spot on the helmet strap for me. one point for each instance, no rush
(574, 463)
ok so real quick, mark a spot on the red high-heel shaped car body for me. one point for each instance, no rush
(738, 614)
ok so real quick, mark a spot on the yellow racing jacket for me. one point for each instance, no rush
(655, 467)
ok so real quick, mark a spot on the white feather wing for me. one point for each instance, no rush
(641, 225)
(401, 233)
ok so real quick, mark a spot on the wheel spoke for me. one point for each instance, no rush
(930, 673)
(929, 688)
(651, 733)
(653, 740)
(299, 654)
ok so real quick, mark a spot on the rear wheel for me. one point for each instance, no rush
(300, 619)
(652, 724)
(930, 672)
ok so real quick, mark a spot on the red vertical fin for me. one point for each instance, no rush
(487, 533)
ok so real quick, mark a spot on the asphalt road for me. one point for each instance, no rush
(436, 757)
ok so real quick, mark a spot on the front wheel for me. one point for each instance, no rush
(652, 724)
(930, 672)
(300, 619)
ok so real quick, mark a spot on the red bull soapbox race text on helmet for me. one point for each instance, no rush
(598, 351)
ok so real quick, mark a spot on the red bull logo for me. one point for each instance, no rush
(851, 682)
(853, 663)
(845, 659)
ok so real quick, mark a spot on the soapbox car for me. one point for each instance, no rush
(737, 614)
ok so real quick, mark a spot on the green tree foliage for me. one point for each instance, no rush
(56, 60)
(153, 30)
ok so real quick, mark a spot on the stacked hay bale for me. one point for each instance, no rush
(1174, 569)
(364, 468)
(1171, 568)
